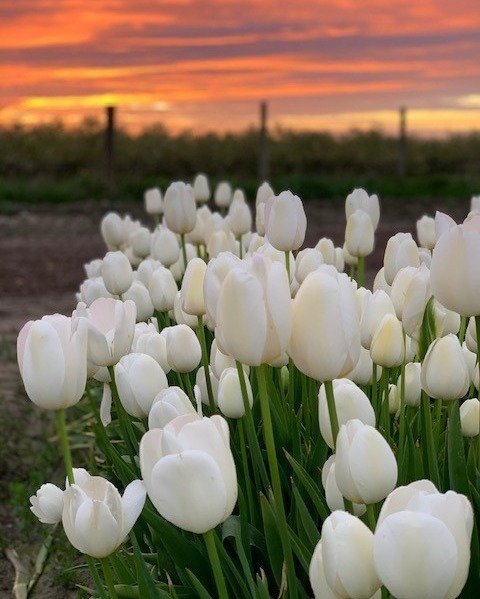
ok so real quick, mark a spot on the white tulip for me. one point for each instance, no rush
(350, 402)
(111, 326)
(327, 249)
(52, 359)
(153, 201)
(359, 234)
(140, 296)
(426, 232)
(365, 467)
(388, 344)
(154, 345)
(183, 348)
(223, 195)
(140, 242)
(444, 372)
(306, 262)
(201, 383)
(47, 504)
(375, 307)
(164, 246)
(189, 472)
(470, 417)
(117, 272)
(179, 208)
(167, 405)
(360, 200)
(401, 251)
(96, 519)
(347, 552)
(112, 230)
(285, 221)
(413, 387)
(333, 496)
(201, 188)
(191, 292)
(230, 399)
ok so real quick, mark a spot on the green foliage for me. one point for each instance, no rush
(50, 163)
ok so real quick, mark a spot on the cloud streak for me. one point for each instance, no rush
(209, 63)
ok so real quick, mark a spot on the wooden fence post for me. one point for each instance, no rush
(402, 142)
(263, 143)
(109, 147)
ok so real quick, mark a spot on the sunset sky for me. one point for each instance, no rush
(206, 64)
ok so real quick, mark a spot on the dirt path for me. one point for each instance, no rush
(41, 256)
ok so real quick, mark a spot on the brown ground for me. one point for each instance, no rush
(41, 255)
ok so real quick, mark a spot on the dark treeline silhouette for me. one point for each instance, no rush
(52, 162)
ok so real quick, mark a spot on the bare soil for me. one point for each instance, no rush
(42, 251)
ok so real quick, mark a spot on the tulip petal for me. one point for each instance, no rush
(106, 405)
(188, 490)
(97, 533)
(133, 501)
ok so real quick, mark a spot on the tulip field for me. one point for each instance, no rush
(242, 413)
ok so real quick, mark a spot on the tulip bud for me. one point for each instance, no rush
(167, 405)
(347, 552)
(470, 360)
(96, 519)
(220, 361)
(223, 195)
(446, 321)
(140, 242)
(401, 251)
(190, 460)
(359, 234)
(350, 402)
(163, 289)
(444, 372)
(139, 295)
(153, 201)
(388, 344)
(197, 234)
(230, 399)
(316, 574)
(179, 208)
(182, 317)
(362, 374)
(365, 467)
(111, 326)
(413, 387)
(239, 216)
(339, 260)
(52, 359)
(164, 246)
(117, 273)
(201, 189)
(426, 232)
(253, 320)
(139, 379)
(360, 200)
(93, 268)
(470, 417)
(153, 344)
(220, 241)
(471, 336)
(380, 282)
(327, 249)
(332, 493)
(47, 504)
(264, 193)
(285, 221)
(423, 531)
(348, 258)
(192, 288)
(217, 270)
(393, 398)
(112, 230)
(201, 384)
(410, 294)
(455, 275)
(183, 348)
(376, 306)
(306, 262)
(325, 341)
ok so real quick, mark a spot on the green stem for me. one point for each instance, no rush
(96, 577)
(275, 477)
(246, 469)
(251, 434)
(205, 362)
(187, 385)
(352, 271)
(332, 411)
(402, 429)
(477, 331)
(332, 414)
(287, 264)
(361, 271)
(429, 441)
(107, 572)
(374, 389)
(463, 328)
(65, 446)
(371, 519)
(184, 250)
(209, 538)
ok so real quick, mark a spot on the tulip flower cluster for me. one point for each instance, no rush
(278, 428)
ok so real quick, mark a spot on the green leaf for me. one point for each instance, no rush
(310, 486)
(198, 586)
(309, 526)
(457, 466)
(272, 538)
(146, 585)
